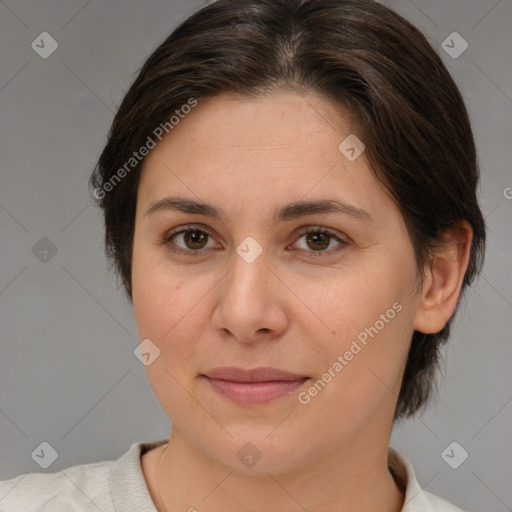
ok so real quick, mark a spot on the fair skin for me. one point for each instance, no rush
(287, 309)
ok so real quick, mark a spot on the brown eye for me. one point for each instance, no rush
(195, 239)
(318, 241)
(192, 241)
(189, 241)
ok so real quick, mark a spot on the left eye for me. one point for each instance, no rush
(319, 240)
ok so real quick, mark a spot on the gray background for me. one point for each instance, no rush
(68, 373)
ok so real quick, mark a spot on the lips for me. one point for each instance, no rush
(255, 375)
(253, 386)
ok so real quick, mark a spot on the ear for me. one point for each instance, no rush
(443, 282)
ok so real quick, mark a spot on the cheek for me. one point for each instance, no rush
(351, 299)
(371, 314)
(166, 315)
(169, 308)
(155, 291)
(172, 319)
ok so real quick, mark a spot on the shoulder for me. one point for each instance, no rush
(438, 504)
(77, 488)
(416, 498)
(108, 486)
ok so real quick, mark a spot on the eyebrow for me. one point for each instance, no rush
(288, 212)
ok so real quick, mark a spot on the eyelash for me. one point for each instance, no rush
(189, 252)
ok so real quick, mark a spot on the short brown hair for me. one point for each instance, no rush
(358, 53)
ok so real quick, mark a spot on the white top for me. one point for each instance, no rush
(119, 486)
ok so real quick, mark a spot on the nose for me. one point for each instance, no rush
(251, 302)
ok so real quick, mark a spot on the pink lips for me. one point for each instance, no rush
(256, 386)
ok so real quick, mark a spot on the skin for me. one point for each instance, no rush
(288, 309)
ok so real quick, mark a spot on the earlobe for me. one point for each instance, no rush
(444, 280)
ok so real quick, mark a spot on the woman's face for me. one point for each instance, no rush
(251, 288)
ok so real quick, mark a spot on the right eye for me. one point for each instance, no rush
(190, 241)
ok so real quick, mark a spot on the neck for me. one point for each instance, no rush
(354, 478)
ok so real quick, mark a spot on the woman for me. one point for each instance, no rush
(289, 192)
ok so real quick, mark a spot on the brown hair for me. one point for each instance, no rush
(358, 53)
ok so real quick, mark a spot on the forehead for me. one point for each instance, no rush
(262, 148)
(278, 119)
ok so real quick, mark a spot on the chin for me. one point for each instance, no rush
(254, 452)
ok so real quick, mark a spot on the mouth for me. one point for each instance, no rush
(255, 386)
